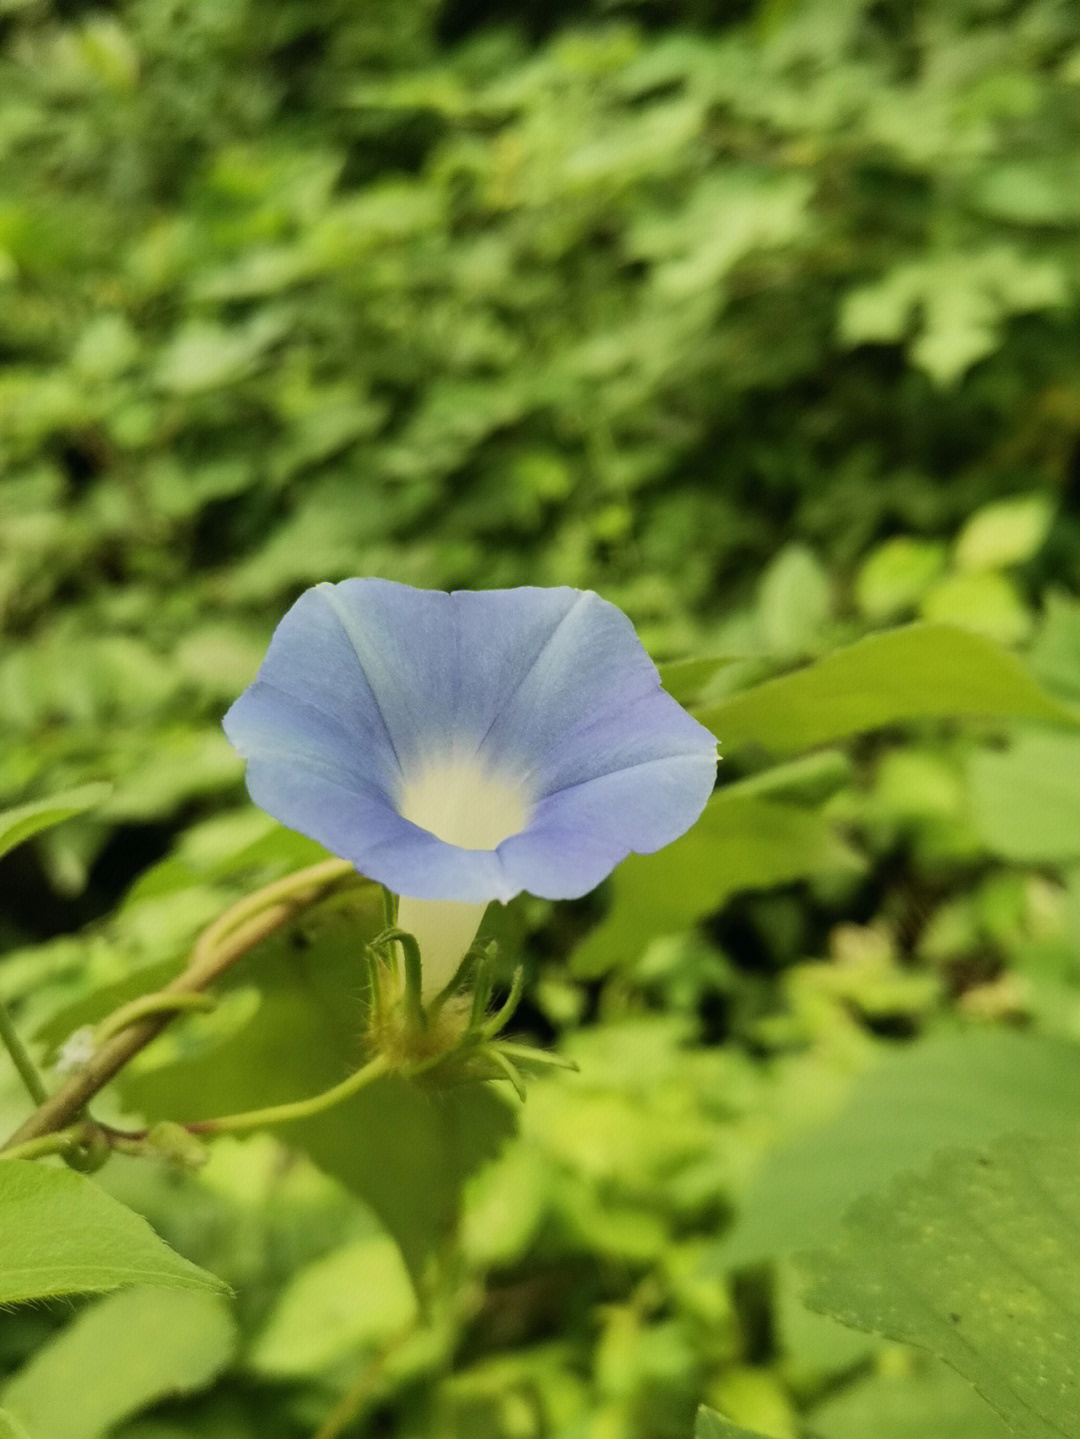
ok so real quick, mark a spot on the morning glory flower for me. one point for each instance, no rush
(462, 748)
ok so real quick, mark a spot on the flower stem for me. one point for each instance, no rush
(20, 1058)
(45, 1144)
(227, 940)
(294, 886)
(298, 1108)
(146, 1004)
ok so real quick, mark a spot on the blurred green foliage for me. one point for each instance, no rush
(759, 319)
(628, 303)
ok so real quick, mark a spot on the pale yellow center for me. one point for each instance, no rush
(459, 800)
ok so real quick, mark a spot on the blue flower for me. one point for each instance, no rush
(461, 748)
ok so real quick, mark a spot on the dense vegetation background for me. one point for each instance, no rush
(760, 319)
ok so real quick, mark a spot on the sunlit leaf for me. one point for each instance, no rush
(961, 1088)
(710, 1425)
(1008, 532)
(912, 1403)
(1025, 800)
(10, 1428)
(61, 1234)
(328, 1311)
(952, 302)
(117, 1357)
(793, 601)
(896, 575)
(922, 671)
(30, 819)
(1055, 655)
(741, 842)
(977, 1260)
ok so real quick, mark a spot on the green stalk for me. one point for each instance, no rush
(137, 1009)
(20, 1058)
(298, 1108)
(45, 1144)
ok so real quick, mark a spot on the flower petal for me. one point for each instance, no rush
(558, 668)
(267, 723)
(579, 834)
(628, 733)
(373, 836)
(377, 701)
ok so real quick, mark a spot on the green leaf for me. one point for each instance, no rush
(203, 356)
(954, 302)
(119, 1356)
(921, 671)
(929, 1399)
(1036, 191)
(815, 1346)
(291, 1025)
(685, 679)
(809, 779)
(408, 1151)
(346, 1303)
(29, 819)
(984, 601)
(710, 1425)
(977, 1261)
(61, 1234)
(1055, 655)
(1025, 801)
(895, 576)
(740, 842)
(793, 603)
(1008, 532)
(754, 1394)
(961, 1088)
(10, 1428)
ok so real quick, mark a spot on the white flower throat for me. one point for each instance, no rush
(461, 801)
